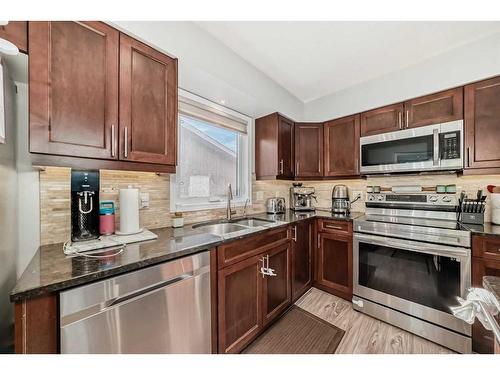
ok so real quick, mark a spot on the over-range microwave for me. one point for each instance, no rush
(427, 148)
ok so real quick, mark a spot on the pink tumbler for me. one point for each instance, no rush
(107, 217)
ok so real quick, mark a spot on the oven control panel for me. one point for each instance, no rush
(412, 199)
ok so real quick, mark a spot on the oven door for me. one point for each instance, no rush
(417, 278)
(401, 151)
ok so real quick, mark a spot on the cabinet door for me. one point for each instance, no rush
(482, 124)
(73, 90)
(335, 263)
(277, 294)
(16, 32)
(382, 120)
(301, 258)
(240, 304)
(308, 150)
(482, 339)
(341, 151)
(285, 148)
(436, 108)
(148, 104)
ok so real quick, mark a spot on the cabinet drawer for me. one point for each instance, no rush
(334, 226)
(238, 250)
(486, 247)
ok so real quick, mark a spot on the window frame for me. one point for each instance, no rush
(244, 160)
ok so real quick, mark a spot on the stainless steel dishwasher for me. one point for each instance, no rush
(159, 309)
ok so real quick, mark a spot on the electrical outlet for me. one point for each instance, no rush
(260, 195)
(144, 200)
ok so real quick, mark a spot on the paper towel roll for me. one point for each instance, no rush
(129, 211)
(495, 208)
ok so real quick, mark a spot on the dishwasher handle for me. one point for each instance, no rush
(148, 289)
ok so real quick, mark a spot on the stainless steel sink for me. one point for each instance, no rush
(220, 228)
(253, 222)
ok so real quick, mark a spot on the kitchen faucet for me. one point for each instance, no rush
(229, 211)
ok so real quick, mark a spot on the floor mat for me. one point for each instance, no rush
(298, 332)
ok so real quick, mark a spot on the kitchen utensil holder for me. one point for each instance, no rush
(472, 211)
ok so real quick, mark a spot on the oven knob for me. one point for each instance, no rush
(433, 198)
(447, 199)
(380, 198)
(371, 197)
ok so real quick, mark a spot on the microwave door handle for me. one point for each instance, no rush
(435, 154)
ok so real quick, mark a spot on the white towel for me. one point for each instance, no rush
(469, 308)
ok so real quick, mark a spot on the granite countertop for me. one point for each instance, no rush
(486, 228)
(51, 270)
(492, 284)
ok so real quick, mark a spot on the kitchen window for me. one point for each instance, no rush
(213, 152)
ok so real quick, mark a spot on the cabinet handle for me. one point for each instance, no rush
(294, 233)
(113, 141)
(400, 119)
(319, 240)
(407, 118)
(126, 143)
(333, 227)
(281, 166)
(468, 156)
(297, 171)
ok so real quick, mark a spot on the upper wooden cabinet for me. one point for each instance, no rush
(382, 120)
(308, 150)
(100, 99)
(431, 109)
(16, 32)
(148, 103)
(441, 107)
(274, 147)
(73, 89)
(482, 124)
(341, 146)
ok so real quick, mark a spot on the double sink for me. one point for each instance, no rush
(222, 227)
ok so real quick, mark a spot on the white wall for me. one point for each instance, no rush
(28, 186)
(468, 63)
(210, 69)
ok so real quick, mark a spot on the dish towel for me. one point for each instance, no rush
(470, 307)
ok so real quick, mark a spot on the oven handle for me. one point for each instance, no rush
(420, 247)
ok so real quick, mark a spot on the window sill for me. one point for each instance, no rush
(188, 207)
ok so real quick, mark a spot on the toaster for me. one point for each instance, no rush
(275, 205)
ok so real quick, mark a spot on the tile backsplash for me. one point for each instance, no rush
(55, 195)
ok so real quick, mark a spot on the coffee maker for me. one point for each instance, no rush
(301, 197)
(340, 200)
(84, 205)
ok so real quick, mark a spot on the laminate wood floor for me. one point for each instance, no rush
(364, 334)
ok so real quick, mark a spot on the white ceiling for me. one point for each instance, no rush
(314, 59)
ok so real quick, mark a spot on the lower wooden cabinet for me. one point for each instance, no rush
(277, 293)
(334, 262)
(302, 247)
(240, 303)
(248, 300)
(482, 339)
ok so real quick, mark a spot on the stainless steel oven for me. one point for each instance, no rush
(426, 148)
(411, 264)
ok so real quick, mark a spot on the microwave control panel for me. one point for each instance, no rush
(450, 145)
